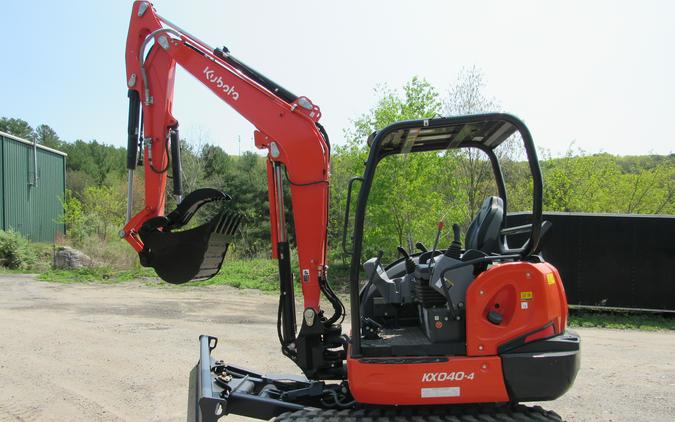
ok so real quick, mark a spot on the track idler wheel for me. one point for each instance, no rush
(195, 254)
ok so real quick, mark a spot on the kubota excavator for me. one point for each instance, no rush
(463, 333)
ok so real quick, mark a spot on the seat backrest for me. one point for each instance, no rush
(483, 232)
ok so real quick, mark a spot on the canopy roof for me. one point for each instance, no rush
(446, 133)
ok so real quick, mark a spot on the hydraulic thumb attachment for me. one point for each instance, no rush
(194, 254)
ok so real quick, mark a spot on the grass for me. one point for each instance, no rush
(258, 274)
(624, 320)
(5, 270)
(106, 275)
(261, 274)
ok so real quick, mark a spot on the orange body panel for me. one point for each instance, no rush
(527, 295)
(457, 380)
(503, 288)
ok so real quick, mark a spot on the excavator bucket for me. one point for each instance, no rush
(194, 254)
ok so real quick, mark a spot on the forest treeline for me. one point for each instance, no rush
(411, 192)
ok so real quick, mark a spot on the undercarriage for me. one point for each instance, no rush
(218, 389)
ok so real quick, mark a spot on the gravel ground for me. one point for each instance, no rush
(95, 352)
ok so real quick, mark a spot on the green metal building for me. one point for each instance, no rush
(32, 187)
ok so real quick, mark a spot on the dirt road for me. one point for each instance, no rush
(89, 352)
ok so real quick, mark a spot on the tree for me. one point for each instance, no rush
(105, 208)
(16, 127)
(98, 161)
(46, 136)
(192, 167)
(215, 160)
(475, 172)
(648, 189)
(74, 217)
(466, 95)
(405, 188)
(579, 183)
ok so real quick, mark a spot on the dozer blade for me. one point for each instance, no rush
(194, 254)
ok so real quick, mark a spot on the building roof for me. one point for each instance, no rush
(25, 141)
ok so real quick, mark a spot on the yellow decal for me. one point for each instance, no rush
(550, 278)
(526, 295)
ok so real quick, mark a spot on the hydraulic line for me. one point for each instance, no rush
(144, 76)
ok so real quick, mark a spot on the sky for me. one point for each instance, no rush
(598, 75)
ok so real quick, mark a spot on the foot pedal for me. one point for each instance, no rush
(195, 254)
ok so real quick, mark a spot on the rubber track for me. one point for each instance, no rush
(508, 413)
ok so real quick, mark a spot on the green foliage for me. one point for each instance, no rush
(16, 127)
(74, 217)
(43, 134)
(580, 182)
(418, 100)
(404, 184)
(99, 162)
(16, 252)
(92, 275)
(255, 273)
(46, 136)
(104, 207)
(621, 320)
(99, 210)
(113, 252)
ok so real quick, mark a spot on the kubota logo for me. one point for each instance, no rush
(447, 376)
(218, 81)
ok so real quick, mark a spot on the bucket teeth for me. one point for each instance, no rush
(228, 223)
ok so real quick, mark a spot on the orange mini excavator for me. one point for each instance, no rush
(463, 333)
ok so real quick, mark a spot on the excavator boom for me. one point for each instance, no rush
(286, 126)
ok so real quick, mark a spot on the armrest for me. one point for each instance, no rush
(508, 231)
(504, 249)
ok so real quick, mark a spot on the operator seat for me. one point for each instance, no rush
(484, 230)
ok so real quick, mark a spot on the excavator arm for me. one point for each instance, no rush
(286, 126)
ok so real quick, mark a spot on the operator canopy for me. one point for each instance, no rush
(487, 131)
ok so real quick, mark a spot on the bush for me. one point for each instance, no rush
(114, 253)
(16, 252)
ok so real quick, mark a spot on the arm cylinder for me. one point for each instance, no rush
(132, 129)
(175, 164)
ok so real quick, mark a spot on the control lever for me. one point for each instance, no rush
(441, 224)
(455, 248)
(409, 263)
(421, 247)
(454, 251)
(431, 261)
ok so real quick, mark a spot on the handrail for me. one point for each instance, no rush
(346, 223)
